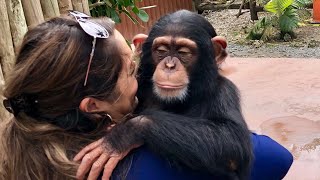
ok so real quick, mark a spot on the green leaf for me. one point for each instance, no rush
(127, 3)
(108, 3)
(277, 6)
(289, 20)
(129, 15)
(115, 16)
(143, 16)
(121, 2)
(135, 10)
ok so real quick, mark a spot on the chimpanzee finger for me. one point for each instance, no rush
(97, 166)
(109, 167)
(87, 162)
(88, 148)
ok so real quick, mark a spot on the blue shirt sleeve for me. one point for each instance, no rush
(272, 162)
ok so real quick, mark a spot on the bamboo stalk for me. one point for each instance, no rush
(50, 8)
(81, 5)
(6, 50)
(18, 24)
(64, 6)
(33, 12)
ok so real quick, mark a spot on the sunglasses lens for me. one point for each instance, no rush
(93, 29)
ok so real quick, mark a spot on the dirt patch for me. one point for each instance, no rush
(306, 45)
(280, 98)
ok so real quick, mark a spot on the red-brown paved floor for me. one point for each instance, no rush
(281, 98)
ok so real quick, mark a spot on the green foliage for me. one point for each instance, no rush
(286, 16)
(288, 20)
(263, 29)
(277, 6)
(113, 9)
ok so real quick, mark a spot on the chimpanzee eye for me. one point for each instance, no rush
(183, 53)
(162, 49)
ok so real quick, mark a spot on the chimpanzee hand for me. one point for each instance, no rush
(106, 153)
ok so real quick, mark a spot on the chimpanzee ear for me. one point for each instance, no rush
(138, 40)
(219, 45)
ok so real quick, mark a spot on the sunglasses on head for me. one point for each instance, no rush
(92, 29)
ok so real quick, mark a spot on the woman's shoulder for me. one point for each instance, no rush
(272, 160)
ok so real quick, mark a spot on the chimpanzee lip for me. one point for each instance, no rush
(170, 86)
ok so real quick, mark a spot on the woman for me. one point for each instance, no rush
(48, 85)
(70, 82)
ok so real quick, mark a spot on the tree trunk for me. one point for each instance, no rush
(6, 50)
(33, 12)
(18, 24)
(253, 12)
(64, 6)
(81, 5)
(50, 8)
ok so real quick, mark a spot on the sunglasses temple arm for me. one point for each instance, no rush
(90, 60)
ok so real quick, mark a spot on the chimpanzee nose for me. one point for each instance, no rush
(170, 63)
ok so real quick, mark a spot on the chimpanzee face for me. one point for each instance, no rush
(173, 58)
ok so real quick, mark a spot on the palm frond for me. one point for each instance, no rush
(277, 6)
(258, 30)
(289, 20)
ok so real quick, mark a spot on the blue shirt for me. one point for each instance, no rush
(271, 162)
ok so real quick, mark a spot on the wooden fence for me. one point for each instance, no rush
(16, 16)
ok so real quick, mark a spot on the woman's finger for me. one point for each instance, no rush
(109, 167)
(87, 162)
(97, 167)
(88, 148)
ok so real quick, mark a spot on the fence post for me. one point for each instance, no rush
(18, 24)
(50, 8)
(81, 5)
(33, 12)
(6, 50)
(64, 6)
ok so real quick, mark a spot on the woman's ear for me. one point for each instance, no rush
(89, 105)
(219, 45)
(138, 41)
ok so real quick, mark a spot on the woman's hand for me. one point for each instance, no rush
(96, 157)
(109, 150)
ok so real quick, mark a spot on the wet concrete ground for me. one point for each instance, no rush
(281, 99)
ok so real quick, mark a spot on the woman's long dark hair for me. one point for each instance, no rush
(45, 88)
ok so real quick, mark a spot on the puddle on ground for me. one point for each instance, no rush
(302, 138)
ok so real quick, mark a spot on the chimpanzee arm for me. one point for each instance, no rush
(221, 147)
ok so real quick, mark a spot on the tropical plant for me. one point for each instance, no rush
(113, 9)
(287, 14)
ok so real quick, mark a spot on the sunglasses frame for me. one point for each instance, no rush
(94, 30)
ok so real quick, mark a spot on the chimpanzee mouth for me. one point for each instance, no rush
(170, 93)
(170, 86)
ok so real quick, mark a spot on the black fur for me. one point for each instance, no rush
(206, 131)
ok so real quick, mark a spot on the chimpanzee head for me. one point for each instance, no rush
(181, 51)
